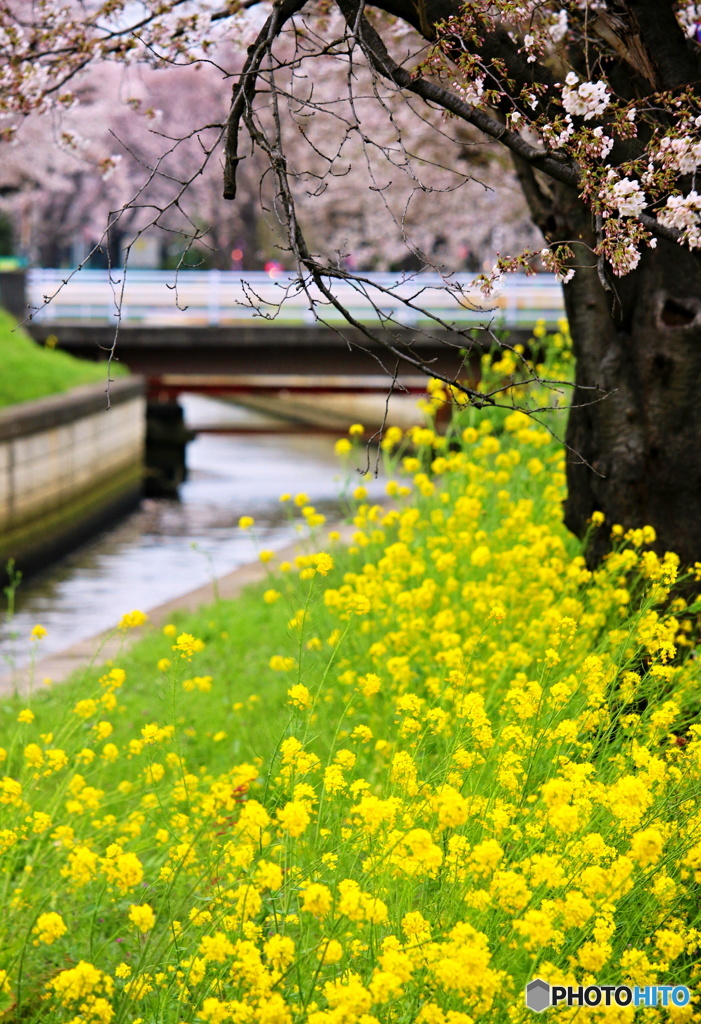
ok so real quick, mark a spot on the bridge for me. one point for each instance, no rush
(229, 333)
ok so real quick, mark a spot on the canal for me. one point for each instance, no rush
(168, 547)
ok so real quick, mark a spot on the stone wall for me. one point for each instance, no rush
(68, 464)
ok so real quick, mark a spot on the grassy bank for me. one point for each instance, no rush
(391, 784)
(29, 371)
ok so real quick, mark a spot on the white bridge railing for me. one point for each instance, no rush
(212, 297)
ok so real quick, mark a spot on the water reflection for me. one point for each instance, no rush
(169, 547)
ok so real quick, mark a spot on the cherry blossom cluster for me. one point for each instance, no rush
(636, 162)
(622, 196)
(684, 214)
(585, 99)
(44, 48)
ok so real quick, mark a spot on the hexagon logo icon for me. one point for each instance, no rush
(537, 995)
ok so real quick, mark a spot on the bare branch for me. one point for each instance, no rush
(245, 87)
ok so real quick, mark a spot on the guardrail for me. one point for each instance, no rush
(212, 297)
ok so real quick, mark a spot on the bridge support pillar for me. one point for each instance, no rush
(166, 441)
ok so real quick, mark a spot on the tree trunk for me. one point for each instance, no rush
(636, 454)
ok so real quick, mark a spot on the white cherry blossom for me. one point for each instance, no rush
(587, 100)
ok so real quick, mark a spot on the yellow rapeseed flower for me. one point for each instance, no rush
(49, 927)
(317, 899)
(142, 916)
(300, 696)
(280, 663)
(330, 951)
(132, 620)
(34, 755)
(187, 645)
(293, 818)
(86, 708)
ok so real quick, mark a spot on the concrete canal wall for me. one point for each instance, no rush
(67, 465)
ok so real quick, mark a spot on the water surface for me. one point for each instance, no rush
(169, 547)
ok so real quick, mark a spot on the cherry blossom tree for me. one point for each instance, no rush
(68, 174)
(62, 186)
(597, 104)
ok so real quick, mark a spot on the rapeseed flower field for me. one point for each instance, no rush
(460, 761)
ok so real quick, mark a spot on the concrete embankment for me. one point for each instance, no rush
(68, 464)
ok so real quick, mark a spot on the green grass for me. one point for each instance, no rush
(453, 760)
(240, 637)
(29, 371)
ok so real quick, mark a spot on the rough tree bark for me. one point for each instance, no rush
(642, 443)
(635, 449)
